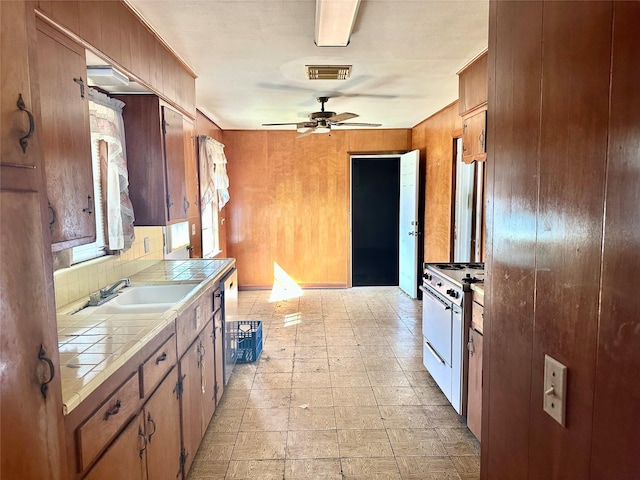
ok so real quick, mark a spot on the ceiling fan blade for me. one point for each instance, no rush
(355, 124)
(307, 132)
(277, 124)
(340, 117)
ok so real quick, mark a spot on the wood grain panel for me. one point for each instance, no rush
(472, 85)
(433, 137)
(509, 301)
(111, 40)
(66, 14)
(569, 232)
(127, 36)
(617, 393)
(290, 202)
(90, 22)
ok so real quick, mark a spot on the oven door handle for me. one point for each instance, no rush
(433, 352)
(444, 304)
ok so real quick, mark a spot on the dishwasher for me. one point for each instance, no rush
(229, 291)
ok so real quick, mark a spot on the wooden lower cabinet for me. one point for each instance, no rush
(198, 400)
(162, 428)
(474, 388)
(125, 459)
(149, 447)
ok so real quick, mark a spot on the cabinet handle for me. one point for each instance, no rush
(52, 372)
(470, 347)
(144, 442)
(89, 208)
(112, 411)
(80, 82)
(481, 140)
(152, 422)
(161, 358)
(53, 215)
(185, 204)
(24, 141)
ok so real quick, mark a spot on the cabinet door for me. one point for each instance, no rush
(208, 375)
(162, 417)
(474, 390)
(190, 402)
(31, 423)
(125, 458)
(474, 137)
(177, 202)
(66, 139)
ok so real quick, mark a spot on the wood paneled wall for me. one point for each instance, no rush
(434, 138)
(113, 30)
(204, 126)
(564, 143)
(290, 202)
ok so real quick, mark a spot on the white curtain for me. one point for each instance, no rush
(213, 172)
(105, 117)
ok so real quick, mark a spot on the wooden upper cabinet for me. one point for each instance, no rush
(155, 159)
(474, 137)
(473, 83)
(172, 128)
(66, 139)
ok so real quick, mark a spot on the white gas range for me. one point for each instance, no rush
(446, 316)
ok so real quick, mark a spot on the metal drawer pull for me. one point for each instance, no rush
(433, 352)
(89, 208)
(45, 385)
(24, 141)
(112, 411)
(152, 422)
(431, 295)
(144, 440)
(161, 358)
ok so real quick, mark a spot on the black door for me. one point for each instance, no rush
(375, 219)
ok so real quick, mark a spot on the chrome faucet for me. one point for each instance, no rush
(106, 292)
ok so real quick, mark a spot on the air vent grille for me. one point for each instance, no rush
(328, 72)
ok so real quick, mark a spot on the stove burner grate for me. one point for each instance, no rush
(476, 266)
(449, 266)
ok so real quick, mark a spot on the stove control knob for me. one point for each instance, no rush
(452, 293)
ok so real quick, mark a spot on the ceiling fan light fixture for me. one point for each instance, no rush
(328, 72)
(320, 129)
(334, 22)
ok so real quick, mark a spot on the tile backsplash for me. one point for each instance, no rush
(78, 281)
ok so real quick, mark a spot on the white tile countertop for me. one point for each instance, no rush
(94, 346)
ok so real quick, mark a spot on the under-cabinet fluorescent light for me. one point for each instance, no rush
(106, 76)
(334, 22)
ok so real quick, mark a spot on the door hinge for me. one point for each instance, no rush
(183, 461)
(215, 391)
(179, 386)
(164, 126)
(169, 202)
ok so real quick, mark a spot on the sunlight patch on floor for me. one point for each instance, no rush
(284, 287)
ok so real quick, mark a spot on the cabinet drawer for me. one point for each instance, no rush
(157, 365)
(102, 426)
(439, 370)
(477, 316)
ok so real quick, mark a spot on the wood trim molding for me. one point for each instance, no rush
(379, 152)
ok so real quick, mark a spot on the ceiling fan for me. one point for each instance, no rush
(322, 121)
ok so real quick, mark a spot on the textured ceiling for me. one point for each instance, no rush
(250, 57)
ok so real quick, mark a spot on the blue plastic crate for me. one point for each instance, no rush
(249, 335)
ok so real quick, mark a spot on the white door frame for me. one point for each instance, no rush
(366, 157)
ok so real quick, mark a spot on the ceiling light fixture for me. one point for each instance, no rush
(106, 76)
(334, 22)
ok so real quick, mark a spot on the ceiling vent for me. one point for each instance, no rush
(328, 72)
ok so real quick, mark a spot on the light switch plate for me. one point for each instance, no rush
(146, 245)
(555, 389)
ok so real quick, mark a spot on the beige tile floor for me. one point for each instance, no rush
(339, 392)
